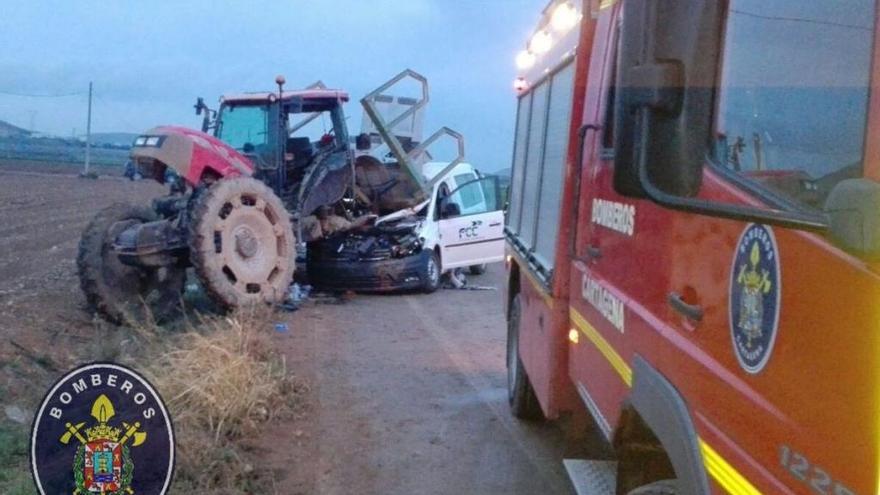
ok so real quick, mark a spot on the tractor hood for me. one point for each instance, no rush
(190, 153)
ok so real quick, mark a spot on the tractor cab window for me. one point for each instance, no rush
(793, 95)
(311, 126)
(245, 128)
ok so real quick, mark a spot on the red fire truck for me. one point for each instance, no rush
(693, 241)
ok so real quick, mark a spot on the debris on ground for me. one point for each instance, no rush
(457, 280)
(15, 414)
(296, 295)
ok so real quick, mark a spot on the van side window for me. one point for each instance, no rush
(469, 195)
(792, 100)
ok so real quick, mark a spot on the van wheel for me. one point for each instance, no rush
(431, 273)
(520, 394)
(478, 269)
(664, 487)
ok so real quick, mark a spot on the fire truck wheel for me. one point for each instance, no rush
(478, 269)
(520, 394)
(664, 487)
(241, 243)
(118, 292)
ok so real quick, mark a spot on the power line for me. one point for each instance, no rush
(32, 95)
(800, 19)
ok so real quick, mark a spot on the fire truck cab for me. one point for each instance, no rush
(693, 241)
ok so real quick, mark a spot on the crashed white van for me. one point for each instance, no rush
(460, 225)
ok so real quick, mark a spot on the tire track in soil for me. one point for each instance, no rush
(42, 309)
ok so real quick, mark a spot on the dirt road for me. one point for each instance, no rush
(409, 397)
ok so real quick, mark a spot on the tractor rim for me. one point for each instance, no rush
(250, 243)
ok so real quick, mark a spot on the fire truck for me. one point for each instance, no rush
(692, 242)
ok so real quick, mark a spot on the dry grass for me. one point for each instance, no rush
(222, 381)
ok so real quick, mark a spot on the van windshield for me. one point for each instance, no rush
(793, 97)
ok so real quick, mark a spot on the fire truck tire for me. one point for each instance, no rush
(520, 394)
(664, 487)
(478, 269)
(242, 244)
(118, 292)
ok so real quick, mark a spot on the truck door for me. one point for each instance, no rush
(472, 224)
(769, 333)
(619, 267)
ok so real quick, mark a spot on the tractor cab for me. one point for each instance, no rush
(284, 133)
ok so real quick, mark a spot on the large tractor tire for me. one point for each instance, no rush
(117, 292)
(242, 244)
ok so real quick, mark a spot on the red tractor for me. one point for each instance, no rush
(237, 190)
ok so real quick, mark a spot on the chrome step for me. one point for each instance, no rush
(592, 477)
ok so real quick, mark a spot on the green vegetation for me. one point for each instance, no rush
(15, 477)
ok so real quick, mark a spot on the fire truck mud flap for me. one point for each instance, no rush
(665, 412)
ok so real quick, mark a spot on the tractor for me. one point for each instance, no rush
(238, 189)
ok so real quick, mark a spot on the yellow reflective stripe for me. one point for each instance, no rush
(725, 474)
(606, 4)
(614, 359)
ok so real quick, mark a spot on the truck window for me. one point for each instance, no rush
(523, 115)
(542, 138)
(793, 95)
(532, 174)
(555, 150)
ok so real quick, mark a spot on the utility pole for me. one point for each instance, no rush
(88, 132)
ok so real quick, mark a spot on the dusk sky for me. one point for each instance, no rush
(150, 60)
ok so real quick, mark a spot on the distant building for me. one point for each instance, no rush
(8, 130)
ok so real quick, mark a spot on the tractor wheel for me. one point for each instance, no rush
(118, 292)
(242, 244)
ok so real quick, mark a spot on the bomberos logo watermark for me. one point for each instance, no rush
(102, 428)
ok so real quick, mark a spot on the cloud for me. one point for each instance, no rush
(150, 60)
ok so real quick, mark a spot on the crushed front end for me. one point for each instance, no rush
(385, 258)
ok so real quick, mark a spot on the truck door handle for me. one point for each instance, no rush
(494, 224)
(594, 252)
(692, 311)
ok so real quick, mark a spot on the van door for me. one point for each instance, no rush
(472, 225)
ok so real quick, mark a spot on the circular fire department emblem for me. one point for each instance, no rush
(102, 429)
(755, 297)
